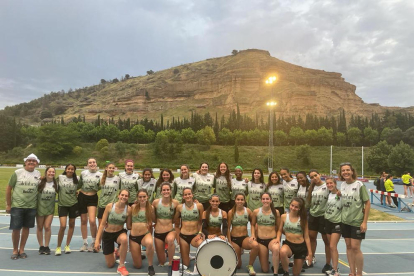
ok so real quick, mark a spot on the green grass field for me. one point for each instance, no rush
(5, 174)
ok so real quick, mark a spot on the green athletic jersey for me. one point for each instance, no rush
(290, 190)
(222, 188)
(46, 200)
(109, 191)
(203, 187)
(190, 214)
(148, 186)
(333, 208)
(180, 184)
(265, 220)
(406, 178)
(276, 192)
(24, 185)
(89, 181)
(255, 190)
(303, 194)
(139, 217)
(67, 191)
(353, 197)
(319, 199)
(129, 182)
(389, 186)
(215, 221)
(238, 186)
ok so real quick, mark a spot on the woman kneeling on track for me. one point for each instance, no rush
(295, 227)
(213, 219)
(190, 232)
(112, 230)
(164, 232)
(267, 220)
(239, 216)
(139, 222)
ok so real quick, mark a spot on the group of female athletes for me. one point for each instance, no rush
(199, 206)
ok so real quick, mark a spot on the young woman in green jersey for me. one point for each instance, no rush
(238, 218)
(294, 225)
(203, 185)
(184, 181)
(164, 233)
(238, 184)
(129, 181)
(148, 182)
(68, 184)
(215, 220)
(304, 184)
(255, 188)
(109, 186)
(333, 222)
(266, 220)
(290, 187)
(317, 198)
(275, 189)
(88, 201)
(112, 230)
(354, 216)
(189, 216)
(222, 184)
(139, 222)
(166, 175)
(45, 209)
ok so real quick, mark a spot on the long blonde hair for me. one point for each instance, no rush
(148, 208)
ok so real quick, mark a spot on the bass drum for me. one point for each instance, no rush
(216, 257)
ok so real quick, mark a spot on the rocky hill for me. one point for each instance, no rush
(213, 85)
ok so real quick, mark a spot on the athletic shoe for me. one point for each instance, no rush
(92, 248)
(165, 264)
(84, 247)
(143, 256)
(67, 249)
(192, 257)
(306, 266)
(46, 250)
(393, 206)
(314, 260)
(58, 251)
(177, 246)
(286, 273)
(41, 250)
(335, 273)
(251, 271)
(183, 267)
(122, 270)
(151, 270)
(327, 269)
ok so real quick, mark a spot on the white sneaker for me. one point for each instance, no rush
(313, 260)
(92, 247)
(84, 247)
(183, 267)
(192, 257)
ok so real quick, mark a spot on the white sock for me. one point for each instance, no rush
(85, 241)
(195, 268)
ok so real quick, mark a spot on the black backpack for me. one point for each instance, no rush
(377, 183)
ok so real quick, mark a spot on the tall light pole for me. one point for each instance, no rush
(271, 104)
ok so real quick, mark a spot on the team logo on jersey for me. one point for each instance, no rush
(190, 182)
(261, 186)
(115, 181)
(243, 184)
(208, 180)
(292, 185)
(35, 177)
(280, 189)
(354, 189)
(134, 177)
(195, 211)
(152, 184)
(323, 189)
(97, 176)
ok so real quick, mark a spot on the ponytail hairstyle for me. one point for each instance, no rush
(208, 210)
(302, 212)
(226, 174)
(105, 174)
(169, 185)
(148, 209)
(270, 183)
(261, 179)
(75, 178)
(188, 168)
(230, 218)
(186, 188)
(286, 169)
(43, 181)
(272, 207)
(311, 187)
(161, 180)
(147, 170)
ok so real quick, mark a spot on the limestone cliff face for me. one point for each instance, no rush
(217, 84)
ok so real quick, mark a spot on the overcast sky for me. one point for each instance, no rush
(52, 45)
